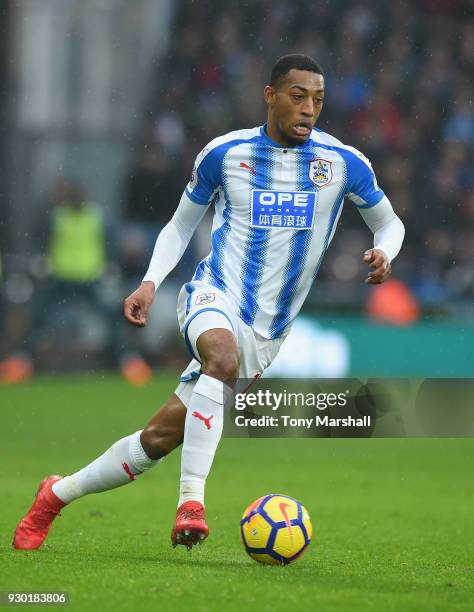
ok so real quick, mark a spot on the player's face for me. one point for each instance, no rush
(294, 107)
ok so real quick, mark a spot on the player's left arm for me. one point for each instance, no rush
(377, 212)
(389, 232)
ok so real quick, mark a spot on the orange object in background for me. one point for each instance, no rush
(16, 369)
(135, 370)
(392, 302)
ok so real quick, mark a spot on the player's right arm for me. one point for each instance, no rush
(169, 248)
(175, 236)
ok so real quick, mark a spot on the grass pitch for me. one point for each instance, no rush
(392, 518)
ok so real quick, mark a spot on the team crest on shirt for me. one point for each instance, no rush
(320, 171)
(205, 298)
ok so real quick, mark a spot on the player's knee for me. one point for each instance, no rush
(159, 441)
(222, 364)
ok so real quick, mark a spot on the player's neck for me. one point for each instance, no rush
(274, 134)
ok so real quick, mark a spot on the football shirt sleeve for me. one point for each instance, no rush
(363, 189)
(386, 226)
(206, 175)
(173, 240)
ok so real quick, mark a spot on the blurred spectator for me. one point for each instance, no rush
(75, 246)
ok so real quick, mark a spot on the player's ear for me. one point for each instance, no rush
(269, 94)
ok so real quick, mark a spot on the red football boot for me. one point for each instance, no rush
(34, 526)
(190, 525)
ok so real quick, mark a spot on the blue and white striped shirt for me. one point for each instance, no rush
(276, 211)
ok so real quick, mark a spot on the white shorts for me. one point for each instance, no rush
(256, 352)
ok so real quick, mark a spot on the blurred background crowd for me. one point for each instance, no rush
(105, 106)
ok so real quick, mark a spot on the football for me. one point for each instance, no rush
(276, 529)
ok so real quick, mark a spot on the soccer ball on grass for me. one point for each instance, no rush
(276, 529)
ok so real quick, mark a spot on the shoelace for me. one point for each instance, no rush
(44, 515)
(192, 513)
(43, 519)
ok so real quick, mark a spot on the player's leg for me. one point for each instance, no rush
(219, 355)
(119, 465)
(204, 419)
(164, 432)
(227, 348)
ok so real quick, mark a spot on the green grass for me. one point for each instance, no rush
(393, 519)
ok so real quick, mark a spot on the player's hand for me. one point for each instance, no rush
(136, 306)
(378, 261)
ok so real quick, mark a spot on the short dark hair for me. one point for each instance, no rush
(293, 60)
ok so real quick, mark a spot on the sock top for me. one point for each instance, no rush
(210, 387)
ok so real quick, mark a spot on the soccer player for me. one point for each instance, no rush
(277, 192)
